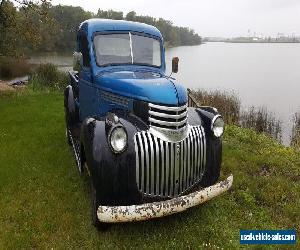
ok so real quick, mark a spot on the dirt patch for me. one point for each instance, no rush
(4, 86)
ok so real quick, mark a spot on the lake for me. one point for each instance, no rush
(260, 74)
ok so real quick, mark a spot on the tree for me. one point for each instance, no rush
(130, 16)
(37, 26)
(19, 27)
(8, 25)
(110, 14)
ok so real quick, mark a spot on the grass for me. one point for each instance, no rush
(45, 203)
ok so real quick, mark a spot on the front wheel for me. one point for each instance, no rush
(101, 226)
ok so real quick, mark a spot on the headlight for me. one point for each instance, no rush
(118, 139)
(217, 126)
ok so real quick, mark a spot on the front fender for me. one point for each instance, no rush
(71, 111)
(205, 116)
(113, 175)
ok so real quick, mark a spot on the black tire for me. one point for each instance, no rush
(101, 226)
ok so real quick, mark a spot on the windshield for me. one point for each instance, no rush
(127, 48)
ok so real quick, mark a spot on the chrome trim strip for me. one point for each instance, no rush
(167, 108)
(170, 135)
(167, 169)
(200, 152)
(185, 163)
(162, 179)
(204, 148)
(137, 162)
(172, 165)
(188, 161)
(156, 165)
(147, 162)
(142, 184)
(192, 157)
(196, 154)
(164, 115)
(169, 124)
(151, 170)
(177, 166)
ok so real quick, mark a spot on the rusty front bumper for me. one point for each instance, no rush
(114, 214)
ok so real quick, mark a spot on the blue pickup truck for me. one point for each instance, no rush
(148, 154)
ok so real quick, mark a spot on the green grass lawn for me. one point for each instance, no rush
(44, 203)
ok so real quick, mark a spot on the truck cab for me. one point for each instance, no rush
(131, 128)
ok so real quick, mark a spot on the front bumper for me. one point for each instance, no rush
(114, 214)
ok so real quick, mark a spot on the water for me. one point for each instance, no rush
(64, 62)
(261, 74)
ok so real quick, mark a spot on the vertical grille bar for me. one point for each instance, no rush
(204, 148)
(172, 166)
(167, 169)
(147, 167)
(188, 161)
(193, 156)
(162, 178)
(197, 156)
(181, 175)
(142, 177)
(185, 163)
(202, 151)
(137, 168)
(198, 152)
(151, 169)
(176, 170)
(157, 167)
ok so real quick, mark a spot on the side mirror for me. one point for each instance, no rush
(175, 61)
(77, 61)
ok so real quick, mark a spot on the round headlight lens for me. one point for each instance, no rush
(118, 139)
(218, 126)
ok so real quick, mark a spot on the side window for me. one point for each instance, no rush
(84, 49)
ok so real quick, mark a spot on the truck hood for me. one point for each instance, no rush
(143, 85)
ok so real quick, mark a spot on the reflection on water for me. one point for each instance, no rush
(64, 62)
(261, 74)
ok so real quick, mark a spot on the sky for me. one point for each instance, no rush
(225, 18)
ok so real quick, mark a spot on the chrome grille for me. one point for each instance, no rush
(167, 117)
(169, 168)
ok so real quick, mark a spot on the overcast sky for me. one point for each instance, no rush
(211, 17)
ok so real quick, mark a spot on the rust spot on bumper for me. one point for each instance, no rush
(114, 214)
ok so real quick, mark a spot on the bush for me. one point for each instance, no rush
(295, 137)
(227, 103)
(12, 67)
(262, 121)
(47, 76)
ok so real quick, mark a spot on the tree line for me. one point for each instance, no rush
(36, 27)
